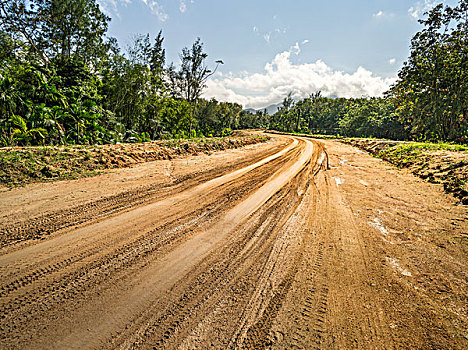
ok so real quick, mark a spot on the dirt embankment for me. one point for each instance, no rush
(437, 163)
(23, 165)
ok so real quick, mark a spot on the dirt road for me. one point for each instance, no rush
(257, 248)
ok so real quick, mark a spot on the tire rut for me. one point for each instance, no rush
(237, 267)
(44, 225)
(73, 286)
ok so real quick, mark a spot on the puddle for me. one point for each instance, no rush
(338, 181)
(322, 158)
(378, 225)
(343, 161)
(363, 183)
(394, 263)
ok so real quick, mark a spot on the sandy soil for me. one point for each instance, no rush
(261, 247)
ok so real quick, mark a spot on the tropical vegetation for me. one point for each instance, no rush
(64, 81)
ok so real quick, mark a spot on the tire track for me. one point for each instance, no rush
(61, 281)
(312, 313)
(226, 269)
(44, 225)
(164, 236)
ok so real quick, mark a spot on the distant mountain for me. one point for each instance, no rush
(271, 109)
(250, 110)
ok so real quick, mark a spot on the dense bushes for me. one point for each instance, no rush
(63, 84)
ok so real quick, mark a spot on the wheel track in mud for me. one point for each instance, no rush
(311, 316)
(234, 266)
(259, 335)
(41, 226)
(255, 261)
(77, 282)
(312, 310)
(70, 285)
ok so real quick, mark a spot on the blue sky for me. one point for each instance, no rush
(346, 48)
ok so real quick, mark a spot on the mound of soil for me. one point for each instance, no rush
(428, 161)
(22, 165)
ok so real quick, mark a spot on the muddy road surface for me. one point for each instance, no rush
(292, 244)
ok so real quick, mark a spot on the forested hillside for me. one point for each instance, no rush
(63, 80)
(429, 101)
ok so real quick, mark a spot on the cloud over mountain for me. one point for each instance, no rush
(281, 75)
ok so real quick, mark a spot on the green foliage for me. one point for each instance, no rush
(430, 146)
(428, 102)
(23, 134)
(374, 117)
(363, 117)
(226, 132)
(432, 91)
(62, 81)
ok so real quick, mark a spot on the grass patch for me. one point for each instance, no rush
(410, 146)
(23, 165)
(442, 163)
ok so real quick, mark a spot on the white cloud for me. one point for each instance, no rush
(305, 41)
(281, 76)
(182, 6)
(383, 15)
(296, 49)
(392, 61)
(110, 7)
(420, 7)
(270, 35)
(156, 9)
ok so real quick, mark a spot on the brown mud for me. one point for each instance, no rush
(294, 243)
(22, 165)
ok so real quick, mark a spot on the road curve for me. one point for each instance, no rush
(80, 288)
(266, 254)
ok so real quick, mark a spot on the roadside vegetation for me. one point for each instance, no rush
(64, 81)
(23, 165)
(428, 102)
(74, 85)
(64, 85)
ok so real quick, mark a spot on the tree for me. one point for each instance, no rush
(372, 117)
(152, 56)
(19, 19)
(190, 81)
(284, 112)
(57, 29)
(432, 89)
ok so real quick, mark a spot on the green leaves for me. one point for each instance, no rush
(62, 81)
(24, 136)
(432, 90)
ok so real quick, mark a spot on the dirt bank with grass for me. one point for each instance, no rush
(440, 163)
(23, 165)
